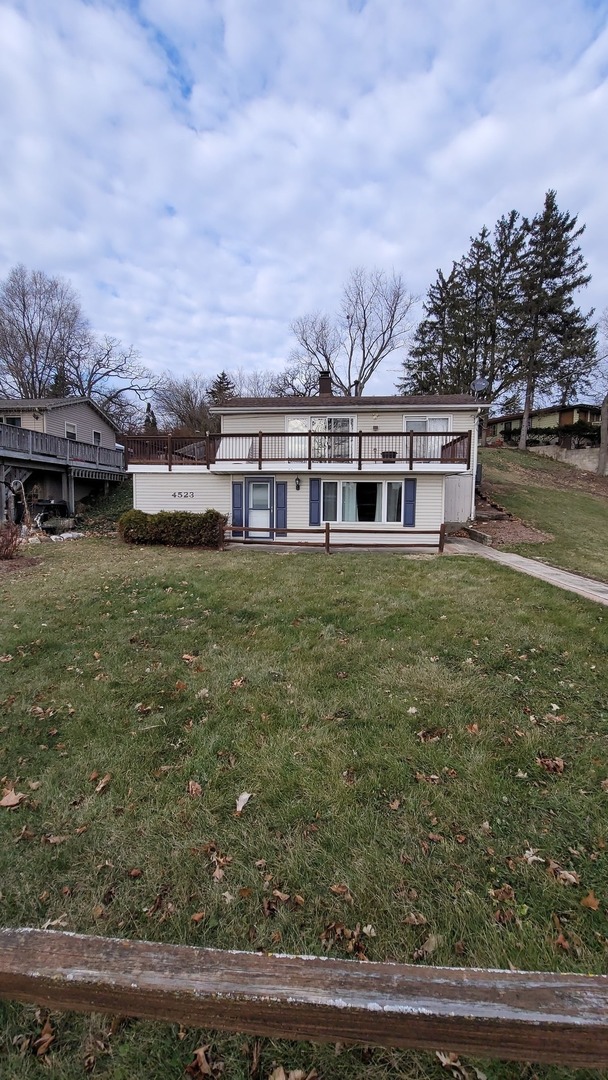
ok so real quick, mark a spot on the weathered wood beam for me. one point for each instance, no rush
(519, 1016)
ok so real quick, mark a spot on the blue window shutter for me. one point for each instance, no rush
(237, 505)
(409, 504)
(281, 504)
(314, 515)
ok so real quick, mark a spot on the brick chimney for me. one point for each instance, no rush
(325, 383)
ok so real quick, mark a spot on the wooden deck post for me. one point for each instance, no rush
(411, 450)
(170, 451)
(260, 449)
(309, 450)
(442, 537)
(359, 463)
(327, 528)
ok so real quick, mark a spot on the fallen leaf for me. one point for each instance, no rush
(98, 912)
(202, 1064)
(414, 918)
(188, 657)
(54, 839)
(281, 895)
(565, 877)
(236, 683)
(242, 801)
(44, 1040)
(503, 895)
(143, 709)
(427, 948)
(562, 942)
(369, 930)
(194, 789)
(395, 804)
(12, 798)
(197, 917)
(342, 891)
(412, 710)
(34, 784)
(552, 765)
(531, 856)
(180, 685)
(6, 659)
(135, 872)
(590, 901)
(473, 729)
(103, 783)
(604, 784)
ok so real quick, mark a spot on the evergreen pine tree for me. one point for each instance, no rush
(221, 389)
(553, 270)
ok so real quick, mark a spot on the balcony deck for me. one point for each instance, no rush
(21, 445)
(334, 452)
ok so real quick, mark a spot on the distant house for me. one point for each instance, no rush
(554, 416)
(374, 470)
(60, 449)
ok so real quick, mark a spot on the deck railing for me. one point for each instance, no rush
(36, 444)
(559, 1019)
(307, 449)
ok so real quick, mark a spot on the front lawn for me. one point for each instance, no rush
(424, 740)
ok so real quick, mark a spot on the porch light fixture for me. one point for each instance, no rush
(297, 483)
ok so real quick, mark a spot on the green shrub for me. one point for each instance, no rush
(174, 528)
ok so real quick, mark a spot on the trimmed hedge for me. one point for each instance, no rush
(175, 528)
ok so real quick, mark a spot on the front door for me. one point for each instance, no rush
(259, 509)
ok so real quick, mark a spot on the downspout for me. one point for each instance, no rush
(475, 438)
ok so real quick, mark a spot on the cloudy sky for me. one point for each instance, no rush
(204, 171)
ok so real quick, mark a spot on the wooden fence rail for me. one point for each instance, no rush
(514, 1015)
(277, 534)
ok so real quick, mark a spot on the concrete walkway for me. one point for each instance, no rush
(563, 579)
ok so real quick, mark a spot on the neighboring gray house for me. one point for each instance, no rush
(59, 448)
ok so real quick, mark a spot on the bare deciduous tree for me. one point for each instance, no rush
(297, 379)
(41, 328)
(181, 403)
(47, 349)
(252, 383)
(373, 322)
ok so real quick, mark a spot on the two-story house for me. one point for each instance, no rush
(60, 449)
(378, 470)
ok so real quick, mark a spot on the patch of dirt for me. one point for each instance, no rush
(562, 478)
(513, 531)
(11, 566)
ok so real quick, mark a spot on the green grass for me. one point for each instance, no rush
(544, 493)
(303, 678)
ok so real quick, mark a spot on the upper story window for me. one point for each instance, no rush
(13, 421)
(426, 423)
(70, 431)
(96, 438)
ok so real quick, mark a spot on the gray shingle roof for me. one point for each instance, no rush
(323, 401)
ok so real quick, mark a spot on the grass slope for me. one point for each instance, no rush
(558, 499)
(401, 723)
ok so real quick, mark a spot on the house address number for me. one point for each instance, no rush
(183, 495)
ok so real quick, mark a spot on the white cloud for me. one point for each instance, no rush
(203, 173)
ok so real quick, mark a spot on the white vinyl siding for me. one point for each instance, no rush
(250, 423)
(199, 490)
